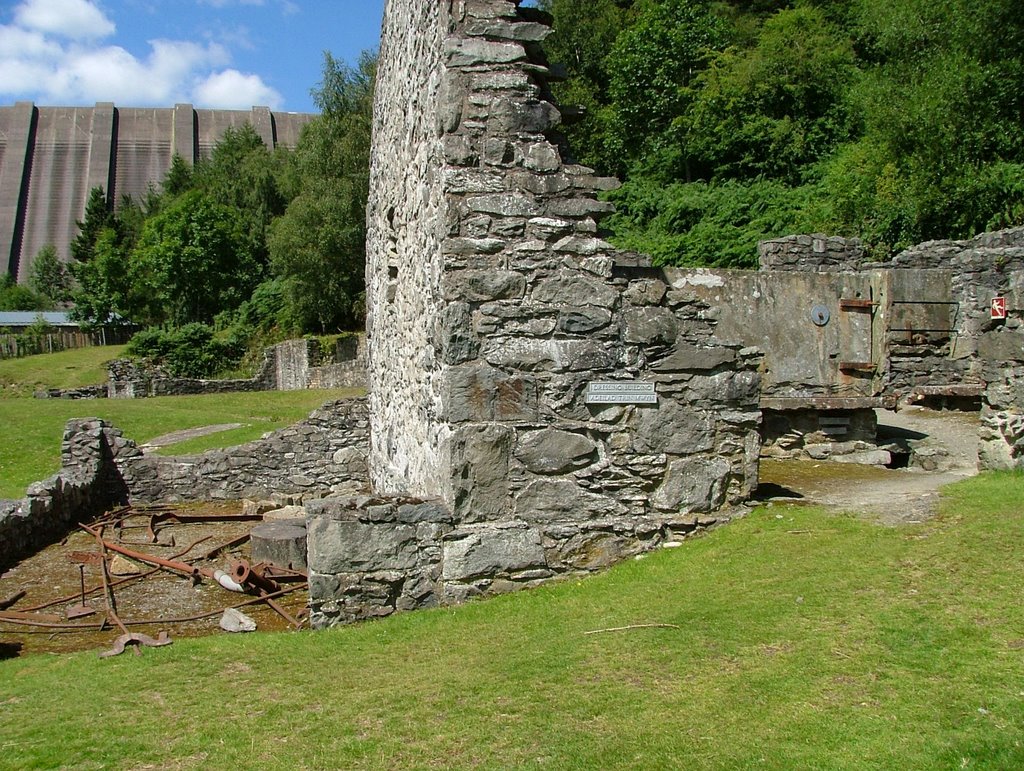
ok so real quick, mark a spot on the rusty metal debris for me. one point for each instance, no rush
(5, 604)
(83, 608)
(135, 639)
(262, 581)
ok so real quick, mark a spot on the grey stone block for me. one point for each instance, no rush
(489, 552)
(551, 451)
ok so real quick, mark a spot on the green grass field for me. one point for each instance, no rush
(805, 640)
(67, 369)
(32, 428)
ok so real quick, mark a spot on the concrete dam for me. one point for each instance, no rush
(51, 157)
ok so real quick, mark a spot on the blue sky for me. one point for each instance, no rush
(230, 54)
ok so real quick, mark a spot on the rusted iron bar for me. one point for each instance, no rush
(152, 622)
(120, 582)
(187, 519)
(149, 559)
(21, 615)
(107, 590)
(279, 610)
(5, 604)
(280, 575)
(224, 547)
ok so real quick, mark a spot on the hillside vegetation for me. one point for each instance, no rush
(794, 638)
(897, 121)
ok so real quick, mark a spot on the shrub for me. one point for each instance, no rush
(192, 350)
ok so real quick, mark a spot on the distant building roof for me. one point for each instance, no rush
(28, 318)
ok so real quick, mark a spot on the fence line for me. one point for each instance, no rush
(13, 346)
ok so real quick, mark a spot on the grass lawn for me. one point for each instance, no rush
(32, 428)
(67, 369)
(805, 640)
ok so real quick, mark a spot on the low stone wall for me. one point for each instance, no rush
(343, 367)
(817, 253)
(86, 486)
(371, 557)
(842, 435)
(293, 365)
(138, 380)
(85, 392)
(323, 454)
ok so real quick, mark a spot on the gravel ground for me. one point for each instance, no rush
(892, 496)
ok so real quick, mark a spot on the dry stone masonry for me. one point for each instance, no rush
(540, 402)
(293, 365)
(87, 485)
(324, 454)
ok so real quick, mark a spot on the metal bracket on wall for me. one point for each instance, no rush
(857, 305)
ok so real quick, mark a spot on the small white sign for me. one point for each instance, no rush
(621, 393)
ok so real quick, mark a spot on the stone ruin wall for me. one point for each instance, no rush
(405, 230)
(322, 455)
(940, 340)
(86, 486)
(493, 306)
(292, 365)
(100, 468)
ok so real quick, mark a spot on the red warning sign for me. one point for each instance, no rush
(998, 307)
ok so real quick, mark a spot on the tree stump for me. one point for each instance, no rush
(279, 543)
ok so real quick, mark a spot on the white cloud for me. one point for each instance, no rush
(232, 89)
(36, 63)
(16, 43)
(75, 19)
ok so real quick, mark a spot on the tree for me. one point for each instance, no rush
(775, 108)
(584, 32)
(97, 217)
(179, 178)
(652, 68)
(17, 297)
(318, 247)
(242, 173)
(942, 145)
(192, 262)
(104, 290)
(50, 277)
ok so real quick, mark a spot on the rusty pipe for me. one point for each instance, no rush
(149, 559)
(243, 573)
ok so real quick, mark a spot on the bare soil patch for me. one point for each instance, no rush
(892, 496)
(51, 581)
(188, 433)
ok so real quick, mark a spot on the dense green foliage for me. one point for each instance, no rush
(50, 277)
(249, 246)
(18, 297)
(192, 350)
(318, 246)
(745, 119)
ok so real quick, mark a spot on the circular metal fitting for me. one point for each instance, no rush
(820, 315)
